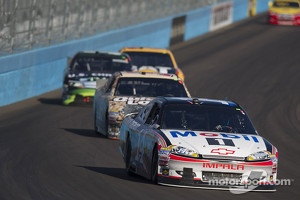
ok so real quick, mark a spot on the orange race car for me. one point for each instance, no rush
(284, 12)
(147, 59)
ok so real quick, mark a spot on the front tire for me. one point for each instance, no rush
(154, 165)
(128, 157)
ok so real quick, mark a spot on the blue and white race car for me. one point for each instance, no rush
(198, 143)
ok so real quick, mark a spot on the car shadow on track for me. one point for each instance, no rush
(118, 173)
(87, 133)
(84, 132)
(51, 101)
(57, 101)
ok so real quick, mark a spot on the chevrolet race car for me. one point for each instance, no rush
(153, 60)
(87, 67)
(127, 92)
(284, 12)
(197, 143)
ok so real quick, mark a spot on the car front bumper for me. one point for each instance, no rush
(82, 96)
(211, 174)
(290, 21)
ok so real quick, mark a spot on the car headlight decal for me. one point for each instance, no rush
(183, 151)
(259, 156)
(115, 117)
(71, 75)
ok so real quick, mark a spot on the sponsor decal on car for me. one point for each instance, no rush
(222, 151)
(223, 166)
(134, 100)
(175, 134)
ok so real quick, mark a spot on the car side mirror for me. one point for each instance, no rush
(156, 126)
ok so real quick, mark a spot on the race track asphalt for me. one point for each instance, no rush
(50, 152)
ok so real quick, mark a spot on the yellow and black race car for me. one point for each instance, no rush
(284, 12)
(147, 59)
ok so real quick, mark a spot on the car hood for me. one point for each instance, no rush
(120, 106)
(217, 144)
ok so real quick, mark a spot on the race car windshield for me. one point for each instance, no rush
(140, 59)
(100, 65)
(150, 87)
(212, 118)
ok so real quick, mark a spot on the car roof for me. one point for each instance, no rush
(145, 49)
(137, 74)
(97, 53)
(202, 101)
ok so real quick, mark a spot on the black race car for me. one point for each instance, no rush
(88, 67)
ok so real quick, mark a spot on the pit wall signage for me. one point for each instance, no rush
(178, 30)
(221, 15)
(251, 8)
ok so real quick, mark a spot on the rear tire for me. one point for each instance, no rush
(154, 165)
